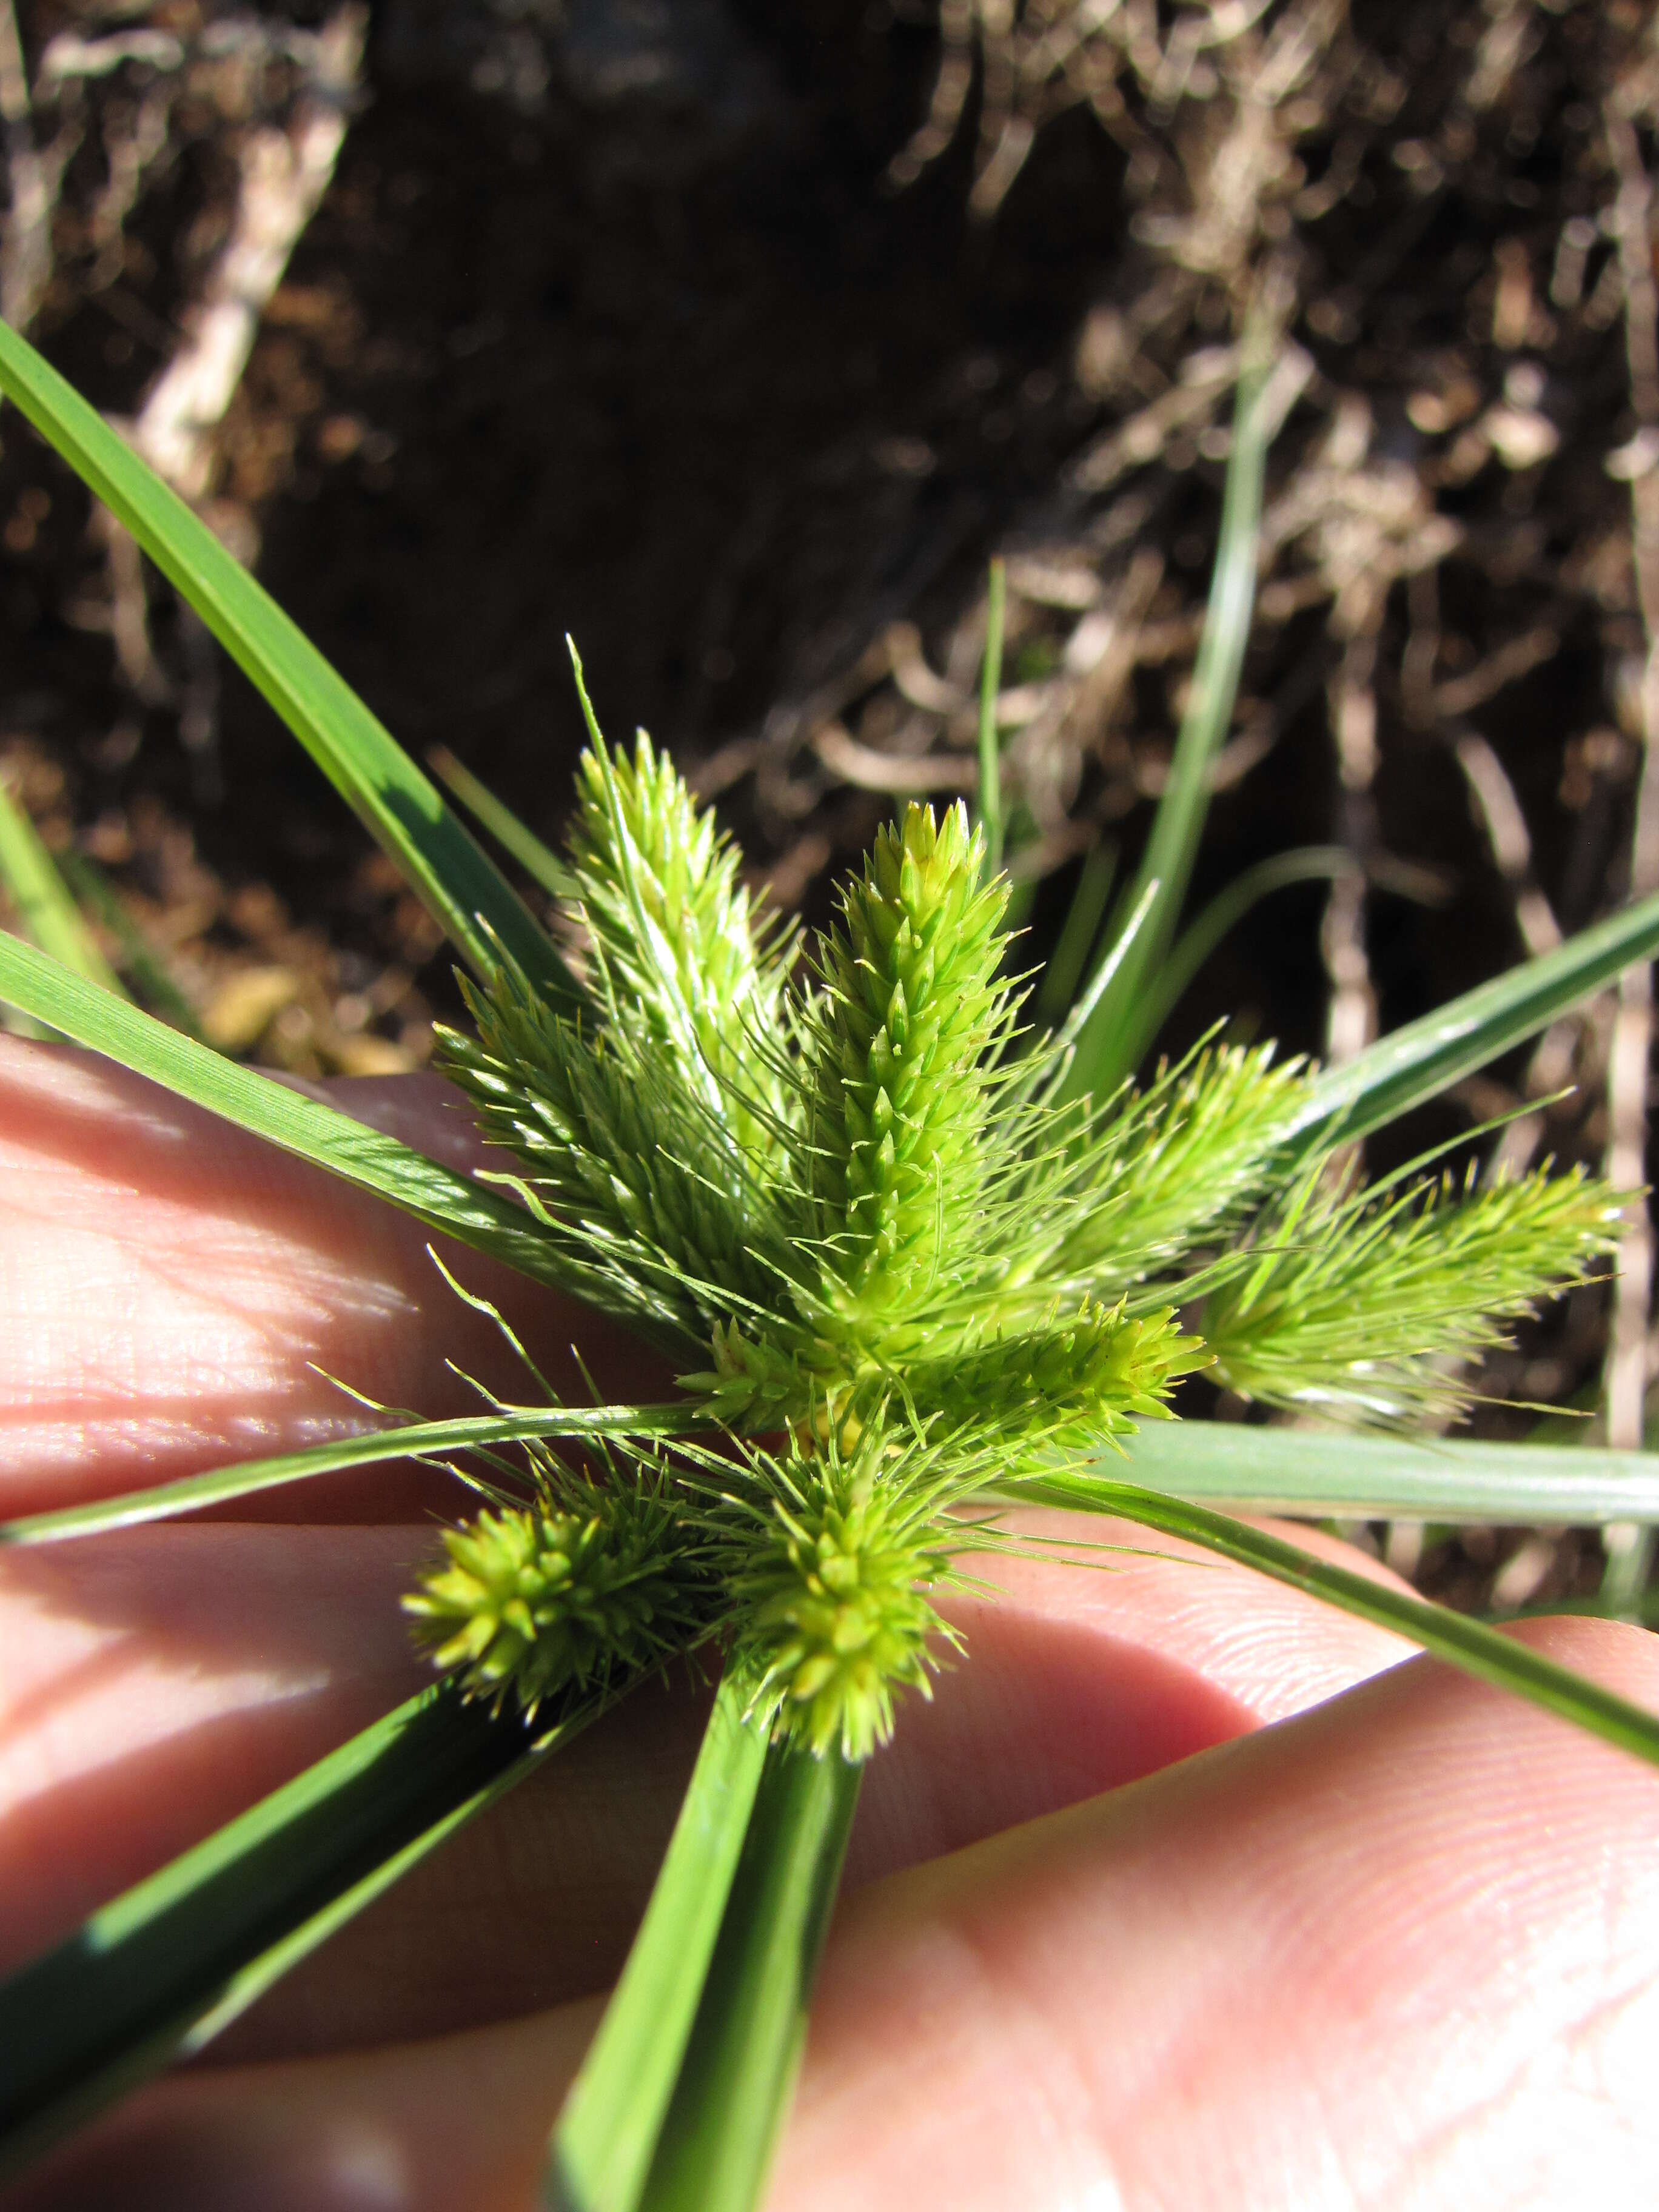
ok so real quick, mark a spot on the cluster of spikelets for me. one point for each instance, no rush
(897, 1263)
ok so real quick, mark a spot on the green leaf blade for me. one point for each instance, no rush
(1416, 1062)
(463, 889)
(413, 1440)
(42, 900)
(990, 811)
(1115, 1034)
(156, 1974)
(745, 2047)
(1319, 1475)
(602, 2149)
(436, 1195)
(539, 862)
(1483, 1652)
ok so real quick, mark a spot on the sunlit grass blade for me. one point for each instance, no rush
(990, 750)
(137, 959)
(157, 1974)
(400, 806)
(1164, 990)
(746, 2046)
(1105, 1051)
(607, 2134)
(1415, 1063)
(414, 1440)
(539, 862)
(1057, 987)
(1371, 1477)
(42, 901)
(1469, 1645)
(434, 1194)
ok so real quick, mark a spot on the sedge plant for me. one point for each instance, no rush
(915, 1257)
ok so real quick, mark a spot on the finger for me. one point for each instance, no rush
(174, 1285)
(159, 1682)
(164, 1678)
(457, 2125)
(1086, 1673)
(1401, 1950)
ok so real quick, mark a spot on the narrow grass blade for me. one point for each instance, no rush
(1478, 1649)
(42, 901)
(137, 958)
(1105, 1050)
(399, 805)
(1383, 1478)
(539, 862)
(1414, 1063)
(360, 1155)
(746, 2045)
(154, 1975)
(990, 750)
(1064, 973)
(414, 1440)
(602, 2149)
(1166, 988)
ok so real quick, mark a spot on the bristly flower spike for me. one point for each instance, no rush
(880, 1238)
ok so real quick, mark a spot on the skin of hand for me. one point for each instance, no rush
(1184, 1893)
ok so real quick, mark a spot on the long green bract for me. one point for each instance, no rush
(400, 806)
(607, 2134)
(746, 2046)
(434, 1194)
(157, 1973)
(1369, 1477)
(1414, 1063)
(1479, 1650)
(413, 1440)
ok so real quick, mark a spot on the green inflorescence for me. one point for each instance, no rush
(899, 1068)
(899, 1269)
(836, 1618)
(535, 1600)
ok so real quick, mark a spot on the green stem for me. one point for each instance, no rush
(751, 2028)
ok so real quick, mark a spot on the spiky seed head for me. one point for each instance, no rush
(674, 931)
(898, 1047)
(1084, 1378)
(533, 1601)
(835, 1619)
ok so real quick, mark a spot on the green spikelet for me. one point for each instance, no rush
(531, 1601)
(672, 927)
(834, 1621)
(1080, 1381)
(1367, 1307)
(620, 1160)
(899, 1081)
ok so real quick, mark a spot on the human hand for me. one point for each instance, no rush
(1108, 1941)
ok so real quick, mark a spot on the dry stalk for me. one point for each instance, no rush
(1629, 1547)
(25, 251)
(284, 174)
